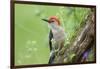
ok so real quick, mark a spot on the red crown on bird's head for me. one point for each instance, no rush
(55, 19)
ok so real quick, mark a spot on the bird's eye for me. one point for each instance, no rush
(51, 21)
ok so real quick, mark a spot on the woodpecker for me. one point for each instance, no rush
(56, 36)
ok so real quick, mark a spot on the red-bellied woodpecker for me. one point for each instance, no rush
(56, 36)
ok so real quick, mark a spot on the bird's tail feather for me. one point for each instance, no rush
(52, 57)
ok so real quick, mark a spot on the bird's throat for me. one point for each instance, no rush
(53, 26)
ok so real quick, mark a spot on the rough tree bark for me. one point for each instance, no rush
(84, 40)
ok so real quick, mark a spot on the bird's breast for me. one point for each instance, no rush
(58, 35)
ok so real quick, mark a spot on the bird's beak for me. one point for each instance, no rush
(45, 20)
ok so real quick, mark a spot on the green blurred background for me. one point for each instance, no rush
(31, 33)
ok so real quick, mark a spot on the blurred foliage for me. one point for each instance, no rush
(31, 33)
